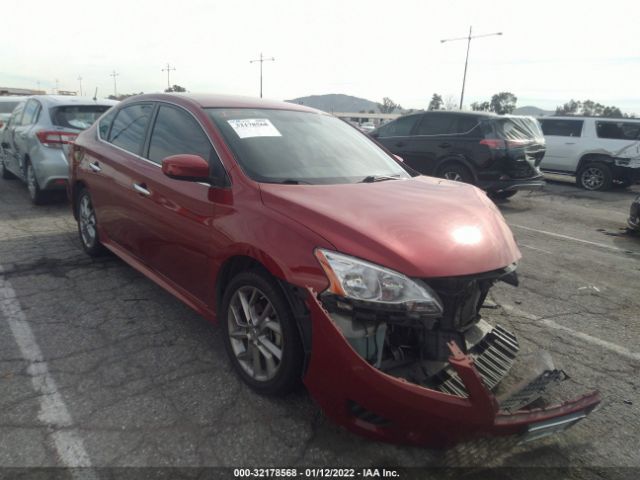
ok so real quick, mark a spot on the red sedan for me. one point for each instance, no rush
(323, 257)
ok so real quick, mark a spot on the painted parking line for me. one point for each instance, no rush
(53, 413)
(610, 346)
(580, 240)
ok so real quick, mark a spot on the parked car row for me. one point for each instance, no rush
(33, 139)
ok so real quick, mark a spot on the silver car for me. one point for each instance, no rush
(35, 136)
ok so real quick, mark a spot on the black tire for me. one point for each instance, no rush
(595, 176)
(457, 172)
(6, 174)
(90, 244)
(37, 195)
(289, 370)
(503, 195)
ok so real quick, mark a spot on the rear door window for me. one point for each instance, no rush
(562, 128)
(438, 124)
(130, 126)
(78, 117)
(401, 127)
(618, 130)
(105, 124)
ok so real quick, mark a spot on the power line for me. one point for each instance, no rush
(114, 74)
(466, 60)
(168, 70)
(262, 60)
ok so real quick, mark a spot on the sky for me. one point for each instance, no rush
(549, 51)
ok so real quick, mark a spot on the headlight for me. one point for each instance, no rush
(359, 280)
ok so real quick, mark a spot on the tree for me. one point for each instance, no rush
(388, 106)
(123, 96)
(450, 103)
(175, 88)
(436, 102)
(481, 106)
(589, 108)
(503, 103)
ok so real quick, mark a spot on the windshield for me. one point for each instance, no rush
(78, 117)
(283, 146)
(7, 107)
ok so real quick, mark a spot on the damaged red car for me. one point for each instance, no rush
(323, 258)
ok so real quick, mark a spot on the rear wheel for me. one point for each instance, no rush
(261, 336)
(38, 197)
(595, 176)
(6, 174)
(456, 171)
(88, 225)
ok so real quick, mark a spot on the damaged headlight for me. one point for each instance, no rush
(362, 281)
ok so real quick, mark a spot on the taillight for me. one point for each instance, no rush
(55, 139)
(494, 143)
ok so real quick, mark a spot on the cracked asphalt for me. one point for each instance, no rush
(147, 383)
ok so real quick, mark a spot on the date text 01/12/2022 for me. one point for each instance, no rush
(315, 473)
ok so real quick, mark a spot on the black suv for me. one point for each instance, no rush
(499, 153)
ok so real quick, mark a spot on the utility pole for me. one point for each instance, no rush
(466, 60)
(114, 74)
(57, 84)
(262, 60)
(168, 70)
(80, 80)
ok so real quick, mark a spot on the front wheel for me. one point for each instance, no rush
(261, 336)
(88, 226)
(456, 172)
(595, 176)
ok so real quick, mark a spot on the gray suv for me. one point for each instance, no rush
(35, 136)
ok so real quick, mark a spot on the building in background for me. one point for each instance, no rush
(9, 91)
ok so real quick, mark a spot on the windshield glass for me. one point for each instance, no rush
(78, 117)
(7, 107)
(283, 146)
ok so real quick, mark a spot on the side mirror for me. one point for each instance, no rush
(190, 168)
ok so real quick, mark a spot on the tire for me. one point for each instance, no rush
(6, 174)
(87, 225)
(457, 172)
(37, 196)
(595, 176)
(503, 195)
(253, 343)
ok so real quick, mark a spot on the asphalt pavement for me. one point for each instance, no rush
(100, 367)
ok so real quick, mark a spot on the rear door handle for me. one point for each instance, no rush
(444, 145)
(95, 166)
(141, 188)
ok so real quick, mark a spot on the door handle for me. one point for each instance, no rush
(399, 144)
(444, 145)
(141, 188)
(570, 143)
(95, 166)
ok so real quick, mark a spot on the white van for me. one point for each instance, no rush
(598, 151)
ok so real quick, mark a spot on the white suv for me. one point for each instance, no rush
(598, 151)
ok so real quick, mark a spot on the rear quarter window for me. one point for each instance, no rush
(562, 128)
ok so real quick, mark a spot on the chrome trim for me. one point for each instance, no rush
(140, 189)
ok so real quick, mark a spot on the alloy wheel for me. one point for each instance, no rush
(255, 333)
(87, 217)
(593, 178)
(453, 176)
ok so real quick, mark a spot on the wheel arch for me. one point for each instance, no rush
(593, 157)
(76, 188)
(459, 159)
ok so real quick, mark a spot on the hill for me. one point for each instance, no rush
(336, 102)
(533, 111)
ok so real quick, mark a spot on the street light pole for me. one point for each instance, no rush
(114, 75)
(466, 60)
(168, 70)
(262, 60)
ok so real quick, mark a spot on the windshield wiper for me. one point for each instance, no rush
(293, 181)
(378, 178)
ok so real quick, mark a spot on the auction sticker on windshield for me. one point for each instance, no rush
(254, 127)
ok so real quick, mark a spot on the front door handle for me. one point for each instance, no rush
(444, 145)
(570, 143)
(399, 144)
(95, 166)
(141, 188)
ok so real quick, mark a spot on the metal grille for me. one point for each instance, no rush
(493, 358)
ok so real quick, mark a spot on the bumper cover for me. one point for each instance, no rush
(372, 403)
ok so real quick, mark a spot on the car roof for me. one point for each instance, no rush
(207, 100)
(576, 117)
(68, 100)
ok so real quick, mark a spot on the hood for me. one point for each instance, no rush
(422, 227)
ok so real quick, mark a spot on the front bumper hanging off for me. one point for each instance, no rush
(370, 402)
